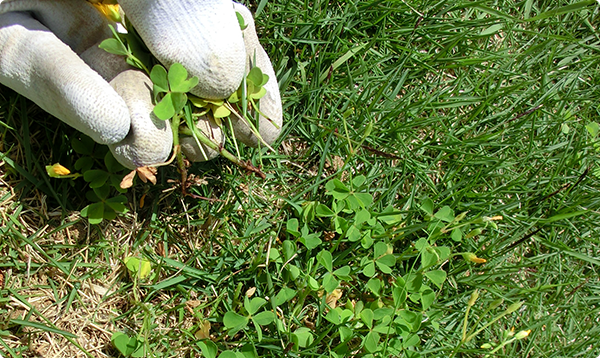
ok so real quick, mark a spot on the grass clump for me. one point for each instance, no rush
(435, 192)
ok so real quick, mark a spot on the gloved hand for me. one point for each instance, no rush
(49, 53)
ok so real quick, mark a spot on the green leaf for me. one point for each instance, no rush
(428, 257)
(383, 268)
(114, 46)
(94, 212)
(252, 306)
(427, 297)
(367, 317)
(337, 189)
(374, 285)
(369, 269)
(232, 320)
(390, 216)
(358, 181)
(333, 316)
(292, 227)
(228, 354)
(326, 259)
(302, 337)
(380, 249)
(84, 164)
(179, 100)
(330, 283)
(345, 333)
(324, 211)
(123, 343)
(177, 77)
(284, 295)
(255, 76)
(140, 268)
(371, 341)
(412, 319)
(241, 21)
(427, 206)
(388, 260)
(209, 349)
(353, 234)
(102, 192)
(312, 283)
(83, 144)
(456, 235)
(399, 295)
(437, 277)
(311, 241)
(258, 94)
(96, 177)
(264, 318)
(343, 273)
(593, 129)
(220, 111)
(158, 75)
(365, 199)
(412, 340)
(116, 203)
(164, 109)
(445, 214)
(413, 282)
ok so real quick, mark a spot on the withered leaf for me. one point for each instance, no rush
(147, 174)
(127, 181)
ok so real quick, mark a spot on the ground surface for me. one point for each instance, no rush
(415, 131)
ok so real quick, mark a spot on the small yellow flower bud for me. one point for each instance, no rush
(111, 12)
(486, 346)
(469, 256)
(522, 334)
(57, 170)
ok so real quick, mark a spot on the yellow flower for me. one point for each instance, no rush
(57, 170)
(110, 11)
(469, 256)
(522, 334)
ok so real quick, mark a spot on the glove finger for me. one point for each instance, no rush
(269, 127)
(150, 139)
(204, 36)
(190, 147)
(35, 63)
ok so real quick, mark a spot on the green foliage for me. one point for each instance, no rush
(129, 45)
(104, 182)
(128, 346)
(174, 85)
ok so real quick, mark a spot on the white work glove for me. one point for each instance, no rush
(49, 53)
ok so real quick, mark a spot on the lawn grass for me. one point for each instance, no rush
(474, 127)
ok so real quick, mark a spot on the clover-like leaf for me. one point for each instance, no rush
(220, 111)
(114, 46)
(159, 78)
(164, 109)
(178, 81)
(94, 212)
(255, 76)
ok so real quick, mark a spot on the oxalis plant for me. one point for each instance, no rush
(172, 103)
(183, 110)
